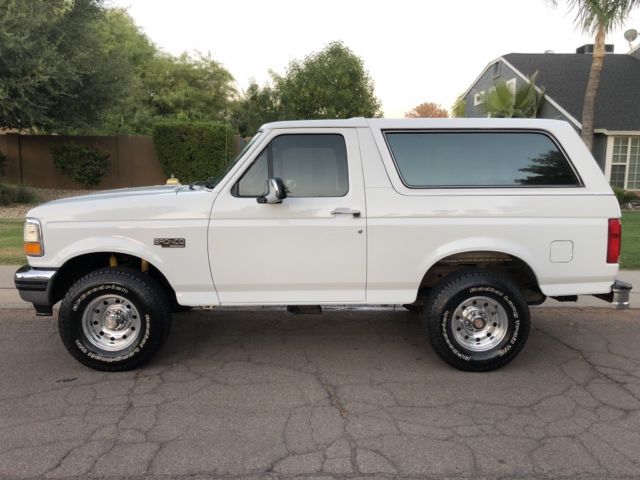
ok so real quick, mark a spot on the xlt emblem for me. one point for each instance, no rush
(170, 242)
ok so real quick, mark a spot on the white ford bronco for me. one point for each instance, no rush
(468, 221)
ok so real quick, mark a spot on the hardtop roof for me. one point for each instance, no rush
(390, 123)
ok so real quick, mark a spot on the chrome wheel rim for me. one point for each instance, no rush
(111, 323)
(479, 323)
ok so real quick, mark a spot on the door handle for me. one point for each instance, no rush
(345, 211)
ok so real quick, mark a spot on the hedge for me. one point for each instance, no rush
(193, 150)
(11, 194)
(624, 196)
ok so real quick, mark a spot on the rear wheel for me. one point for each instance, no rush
(114, 319)
(476, 320)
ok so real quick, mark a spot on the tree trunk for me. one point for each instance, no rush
(589, 106)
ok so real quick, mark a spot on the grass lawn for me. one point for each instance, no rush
(11, 242)
(630, 257)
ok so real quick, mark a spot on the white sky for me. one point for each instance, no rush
(414, 50)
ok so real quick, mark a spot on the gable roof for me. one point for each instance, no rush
(565, 76)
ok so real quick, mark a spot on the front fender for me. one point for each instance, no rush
(186, 268)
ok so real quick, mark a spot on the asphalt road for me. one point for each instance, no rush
(347, 394)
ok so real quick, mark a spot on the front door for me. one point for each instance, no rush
(309, 249)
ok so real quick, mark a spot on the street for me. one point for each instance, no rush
(347, 393)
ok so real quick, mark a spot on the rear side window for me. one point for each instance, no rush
(479, 159)
(311, 165)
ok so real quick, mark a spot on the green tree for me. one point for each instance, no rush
(597, 17)
(131, 52)
(188, 87)
(258, 105)
(332, 83)
(55, 72)
(160, 86)
(74, 66)
(164, 87)
(459, 107)
(503, 102)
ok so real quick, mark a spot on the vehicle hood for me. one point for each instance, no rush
(129, 204)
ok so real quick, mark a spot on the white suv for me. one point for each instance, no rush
(467, 220)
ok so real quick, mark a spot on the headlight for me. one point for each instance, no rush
(33, 246)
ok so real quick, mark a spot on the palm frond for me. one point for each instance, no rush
(592, 13)
(502, 102)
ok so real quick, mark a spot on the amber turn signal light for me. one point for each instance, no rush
(33, 249)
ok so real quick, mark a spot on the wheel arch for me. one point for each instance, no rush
(507, 261)
(78, 266)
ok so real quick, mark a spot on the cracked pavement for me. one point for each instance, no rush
(346, 394)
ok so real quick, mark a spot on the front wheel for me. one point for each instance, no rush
(114, 319)
(476, 320)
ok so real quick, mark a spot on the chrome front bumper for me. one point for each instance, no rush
(34, 286)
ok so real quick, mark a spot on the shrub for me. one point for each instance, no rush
(83, 164)
(10, 194)
(624, 196)
(193, 150)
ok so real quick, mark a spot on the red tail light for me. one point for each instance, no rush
(614, 240)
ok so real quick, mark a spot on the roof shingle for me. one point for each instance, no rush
(564, 78)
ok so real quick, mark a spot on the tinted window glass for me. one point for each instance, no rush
(310, 166)
(479, 159)
(254, 182)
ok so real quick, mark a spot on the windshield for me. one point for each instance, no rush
(211, 182)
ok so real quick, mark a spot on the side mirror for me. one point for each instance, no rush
(276, 192)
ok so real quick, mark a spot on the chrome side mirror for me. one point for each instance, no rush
(276, 192)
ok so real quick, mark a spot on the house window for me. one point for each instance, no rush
(625, 163)
(496, 70)
(478, 98)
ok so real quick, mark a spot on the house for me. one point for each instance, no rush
(564, 78)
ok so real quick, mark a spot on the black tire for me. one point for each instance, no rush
(132, 291)
(504, 301)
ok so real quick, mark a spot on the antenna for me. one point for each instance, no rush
(630, 36)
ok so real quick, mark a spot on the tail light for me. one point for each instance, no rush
(614, 240)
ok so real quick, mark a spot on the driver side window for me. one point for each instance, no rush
(310, 165)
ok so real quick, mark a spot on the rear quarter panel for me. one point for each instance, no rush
(409, 230)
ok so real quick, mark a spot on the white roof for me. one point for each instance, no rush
(390, 123)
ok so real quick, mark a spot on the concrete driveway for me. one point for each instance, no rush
(345, 394)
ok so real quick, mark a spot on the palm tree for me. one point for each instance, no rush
(597, 17)
(503, 102)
